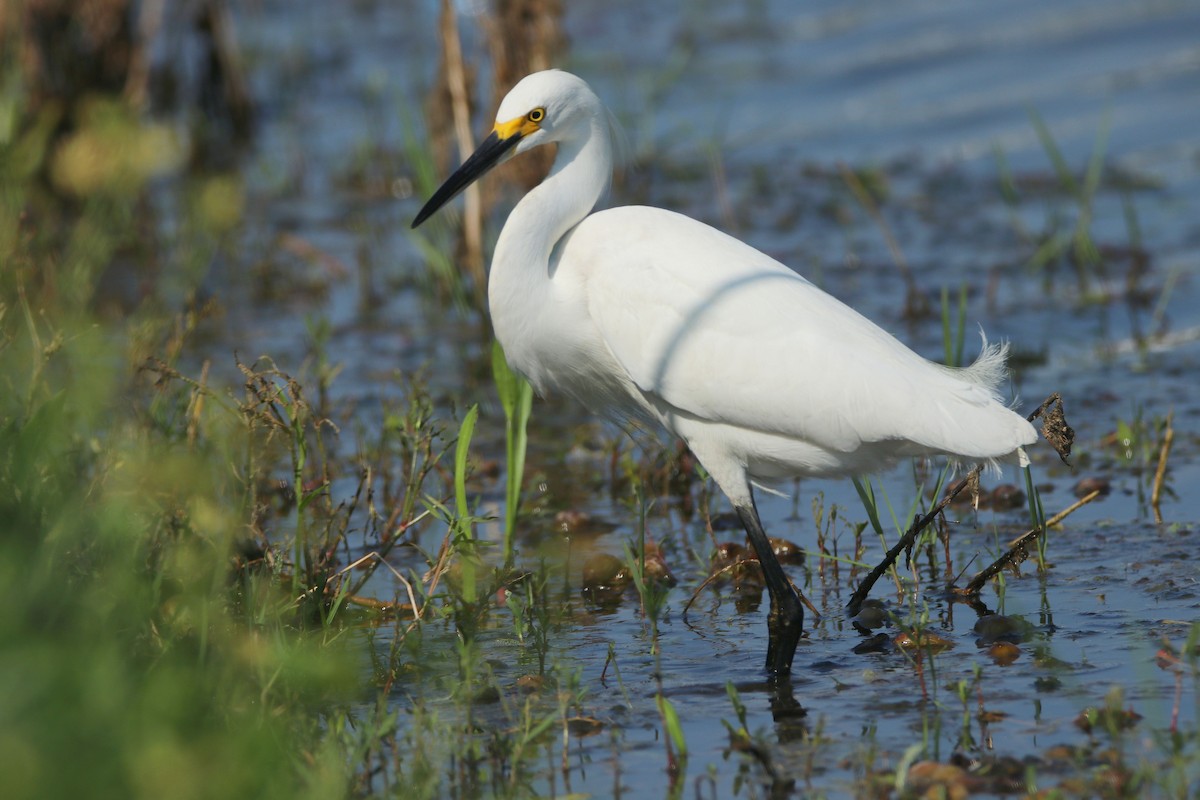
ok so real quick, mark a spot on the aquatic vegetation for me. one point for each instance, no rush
(240, 500)
(516, 397)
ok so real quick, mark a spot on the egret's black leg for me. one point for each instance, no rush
(785, 622)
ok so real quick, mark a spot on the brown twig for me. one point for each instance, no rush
(195, 409)
(1018, 551)
(705, 584)
(434, 574)
(1160, 471)
(807, 603)
(460, 106)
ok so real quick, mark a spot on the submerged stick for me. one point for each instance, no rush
(1018, 551)
(381, 605)
(729, 567)
(906, 542)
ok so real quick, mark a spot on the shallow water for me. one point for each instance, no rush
(741, 115)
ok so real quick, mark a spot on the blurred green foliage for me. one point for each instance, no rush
(138, 656)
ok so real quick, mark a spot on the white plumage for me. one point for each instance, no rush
(645, 314)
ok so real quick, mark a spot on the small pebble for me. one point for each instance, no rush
(726, 553)
(998, 627)
(1004, 653)
(1088, 485)
(872, 615)
(787, 552)
(1006, 497)
(605, 573)
(933, 779)
(923, 640)
(530, 683)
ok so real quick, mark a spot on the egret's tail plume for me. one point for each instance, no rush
(990, 368)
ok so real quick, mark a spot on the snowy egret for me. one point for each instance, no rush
(648, 316)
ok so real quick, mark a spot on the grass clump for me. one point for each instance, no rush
(141, 655)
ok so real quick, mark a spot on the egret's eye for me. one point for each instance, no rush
(537, 115)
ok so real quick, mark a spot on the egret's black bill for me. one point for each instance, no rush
(487, 155)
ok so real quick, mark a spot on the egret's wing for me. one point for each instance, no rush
(718, 330)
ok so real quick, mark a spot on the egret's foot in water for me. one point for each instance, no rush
(785, 622)
(785, 626)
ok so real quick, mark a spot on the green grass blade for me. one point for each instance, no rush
(1095, 167)
(464, 536)
(461, 450)
(953, 337)
(866, 493)
(1061, 170)
(505, 380)
(735, 698)
(516, 397)
(673, 725)
(1037, 516)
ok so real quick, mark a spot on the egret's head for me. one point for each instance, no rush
(543, 107)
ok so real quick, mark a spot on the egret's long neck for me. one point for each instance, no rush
(581, 172)
(522, 292)
(521, 287)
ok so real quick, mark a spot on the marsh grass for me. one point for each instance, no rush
(1069, 199)
(954, 327)
(1138, 444)
(132, 656)
(926, 539)
(182, 546)
(170, 545)
(516, 398)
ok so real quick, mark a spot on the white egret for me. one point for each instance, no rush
(648, 316)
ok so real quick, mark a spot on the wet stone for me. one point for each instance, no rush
(998, 627)
(530, 683)
(934, 779)
(872, 615)
(656, 567)
(1004, 653)
(605, 573)
(724, 555)
(787, 552)
(1006, 497)
(584, 726)
(922, 640)
(1091, 484)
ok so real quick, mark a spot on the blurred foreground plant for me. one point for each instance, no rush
(134, 666)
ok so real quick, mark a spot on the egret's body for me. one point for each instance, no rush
(647, 315)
